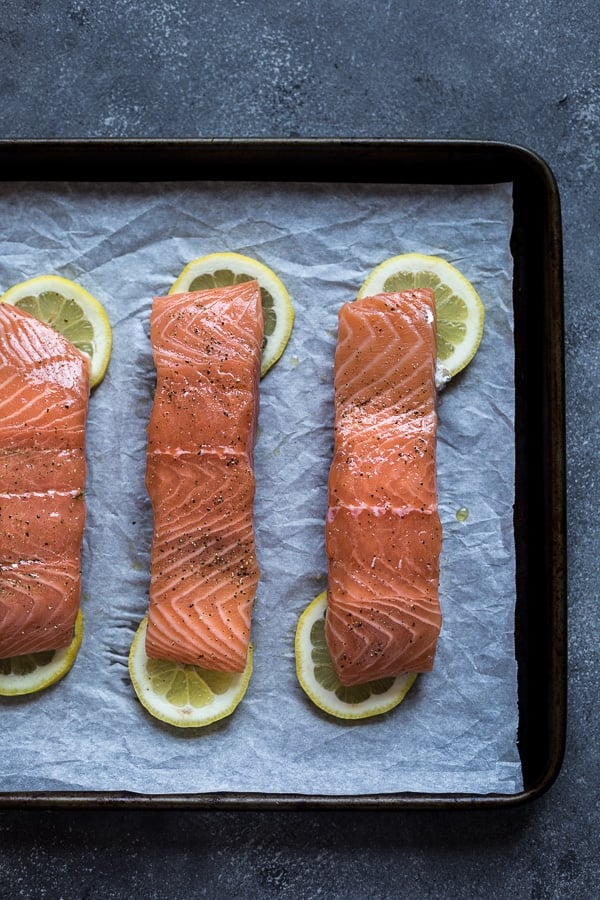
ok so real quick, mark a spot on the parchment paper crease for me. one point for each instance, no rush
(126, 243)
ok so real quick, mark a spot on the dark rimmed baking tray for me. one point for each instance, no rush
(540, 495)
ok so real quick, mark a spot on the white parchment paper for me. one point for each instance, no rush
(126, 243)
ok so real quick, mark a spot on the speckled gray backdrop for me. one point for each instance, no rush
(512, 70)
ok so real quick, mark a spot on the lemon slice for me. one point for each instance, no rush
(71, 311)
(221, 269)
(36, 671)
(319, 681)
(183, 695)
(460, 312)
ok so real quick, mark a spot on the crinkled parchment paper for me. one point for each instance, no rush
(126, 243)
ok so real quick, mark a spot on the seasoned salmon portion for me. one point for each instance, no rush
(399, 473)
(43, 525)
(43, 408)
(39, 471)
(383, 532)
(38, 604)
(203, 416)
(203, 564)
(207, 347)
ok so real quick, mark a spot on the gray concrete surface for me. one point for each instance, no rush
(525, 72)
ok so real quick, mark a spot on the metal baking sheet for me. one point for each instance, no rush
(539, 528)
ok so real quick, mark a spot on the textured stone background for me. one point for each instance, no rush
(523, 71)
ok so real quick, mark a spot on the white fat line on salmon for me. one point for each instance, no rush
(220, 452)
(356, 509)
(51, 492)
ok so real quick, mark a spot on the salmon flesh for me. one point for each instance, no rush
(207, 348)
(44, 392)
(383, 532)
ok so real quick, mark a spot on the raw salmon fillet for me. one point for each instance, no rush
(44, 391)
(383, 532)
(207, 348)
